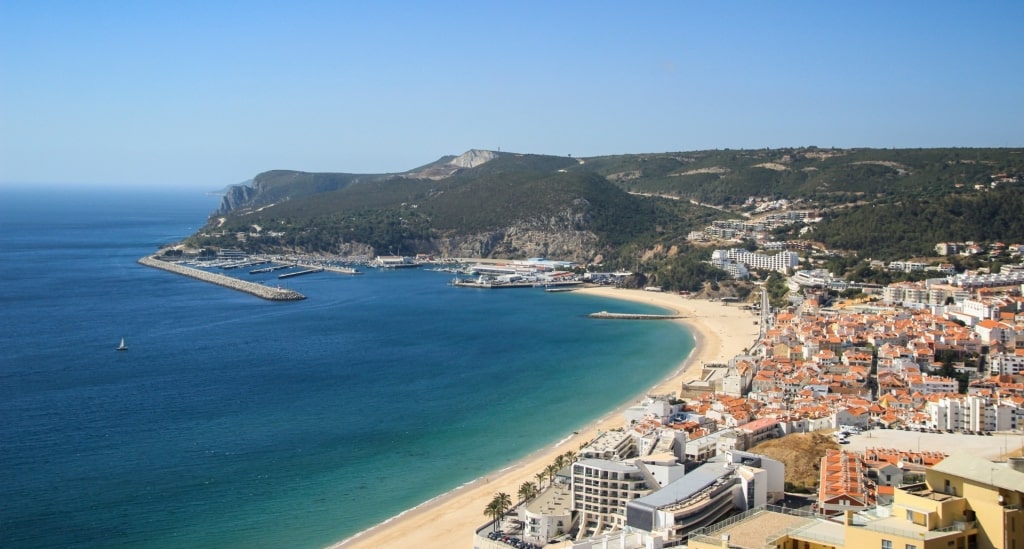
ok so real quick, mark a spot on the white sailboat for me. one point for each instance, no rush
(122, 346)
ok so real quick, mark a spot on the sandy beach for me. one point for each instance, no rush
(721, 332)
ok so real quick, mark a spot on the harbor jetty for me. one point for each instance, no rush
(258, 290)
(631, 316)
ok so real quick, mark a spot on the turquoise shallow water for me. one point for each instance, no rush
(235, 421)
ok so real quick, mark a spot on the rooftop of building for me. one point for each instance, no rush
(556, 500)
(981, 471)
(752, 528)
(686, 487)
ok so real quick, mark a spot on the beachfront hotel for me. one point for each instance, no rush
(601, 488)
(966, 502)
(736, 481)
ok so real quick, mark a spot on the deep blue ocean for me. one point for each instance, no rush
(233, 421)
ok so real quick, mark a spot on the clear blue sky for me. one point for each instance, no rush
(206, 93)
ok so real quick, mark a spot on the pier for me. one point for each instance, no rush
(300, 273)
(331, 269)
(491, 285)
(258, 290)
(631, 316)
(270, 269)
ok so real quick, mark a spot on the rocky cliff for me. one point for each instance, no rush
(446, 168)
(234, 198)
(521, 241)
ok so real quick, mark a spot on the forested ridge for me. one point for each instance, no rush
(638, 209)
(911, 227)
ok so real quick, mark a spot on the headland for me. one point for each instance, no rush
(720, 332)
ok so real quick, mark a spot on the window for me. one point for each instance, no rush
(886, 544)
(911, 546)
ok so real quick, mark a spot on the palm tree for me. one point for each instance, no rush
(504, 501)
(540, 478)
(552, 471)
(560, 462)
(493, 513)
(498, 506)
(570, 456)
(527, 490)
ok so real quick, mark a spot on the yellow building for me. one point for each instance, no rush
(965, 502)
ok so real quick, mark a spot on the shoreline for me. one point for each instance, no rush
(449, 519)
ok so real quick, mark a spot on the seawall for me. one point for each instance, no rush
(258, 290)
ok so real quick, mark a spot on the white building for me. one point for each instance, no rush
(1006, 363)
(969, 413)
(600, 490)
(781, 262)
(737, 481)
(549, 514)
(930, 385)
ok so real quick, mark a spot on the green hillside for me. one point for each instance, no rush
(827, 176)
(634, 211)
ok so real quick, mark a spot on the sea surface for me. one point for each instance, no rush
(233, 421)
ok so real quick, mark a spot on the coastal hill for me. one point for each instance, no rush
(628, 211)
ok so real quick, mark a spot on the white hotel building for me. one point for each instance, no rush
(781, 262)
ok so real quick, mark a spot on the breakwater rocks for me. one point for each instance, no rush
(631, 316)
(258, 290)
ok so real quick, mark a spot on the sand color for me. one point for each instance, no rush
(720, 331)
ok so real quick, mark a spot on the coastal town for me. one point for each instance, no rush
(940, 359)
(919, 385)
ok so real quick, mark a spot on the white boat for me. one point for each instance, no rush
(122, 346)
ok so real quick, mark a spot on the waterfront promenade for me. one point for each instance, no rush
(258, 290)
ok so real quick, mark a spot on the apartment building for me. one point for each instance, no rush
(1006, 364)
(781, 262)
(968, 413)
(966, 502)
(600, 490)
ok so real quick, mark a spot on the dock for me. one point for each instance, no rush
(270, 269)
(632, 316)
(258, 290)
(491, 285)
(300, 273)
(331, 269)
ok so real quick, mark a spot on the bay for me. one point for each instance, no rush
(236, 421)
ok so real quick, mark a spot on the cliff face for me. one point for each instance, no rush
(235, 197)
(562, 236)
(467, 160)
(521, 242)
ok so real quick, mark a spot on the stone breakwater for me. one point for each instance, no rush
(258, 290)
(631, 316)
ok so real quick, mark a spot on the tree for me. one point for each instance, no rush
(540, 478)
(552, 471)
(492, 512)
(503, 501)
(527, 491)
